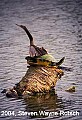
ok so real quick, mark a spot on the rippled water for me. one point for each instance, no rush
(56, 25)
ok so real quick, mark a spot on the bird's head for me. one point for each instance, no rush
(22, 26)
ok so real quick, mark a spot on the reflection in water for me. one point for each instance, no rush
(48, 102)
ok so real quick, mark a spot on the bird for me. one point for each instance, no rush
(33, 50)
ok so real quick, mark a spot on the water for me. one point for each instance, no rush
(57, 26)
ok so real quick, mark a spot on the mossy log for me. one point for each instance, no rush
(38, 80)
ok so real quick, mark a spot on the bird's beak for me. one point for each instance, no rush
(18, 25)
(21, 26)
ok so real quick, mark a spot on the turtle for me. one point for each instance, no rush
(44, 60)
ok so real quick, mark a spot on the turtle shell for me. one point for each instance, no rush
(48, 57)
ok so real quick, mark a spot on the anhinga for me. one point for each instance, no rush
(34, 50)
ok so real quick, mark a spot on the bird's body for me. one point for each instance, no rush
(33, 50)
(39, 56)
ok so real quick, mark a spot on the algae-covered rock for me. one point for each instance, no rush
(38, 79)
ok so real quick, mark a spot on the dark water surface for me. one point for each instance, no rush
(55, 25)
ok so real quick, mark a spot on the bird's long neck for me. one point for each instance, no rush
(30, 36)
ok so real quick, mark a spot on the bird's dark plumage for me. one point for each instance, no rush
(34, 50)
